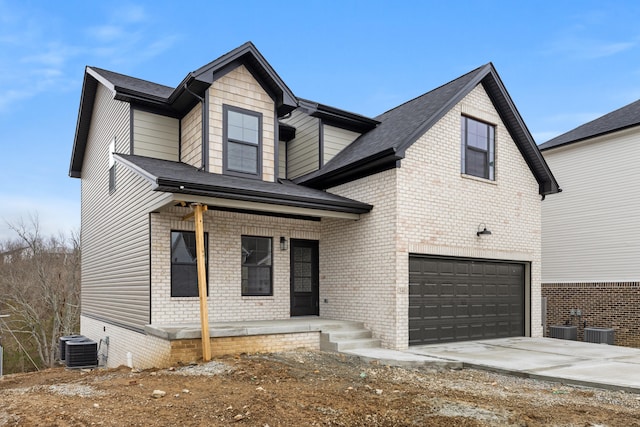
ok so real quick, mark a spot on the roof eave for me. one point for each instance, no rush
(87, 98)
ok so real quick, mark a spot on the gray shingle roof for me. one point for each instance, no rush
(397, 126)
(400, 127)
(176, 177)
(622, 118)
(134, 85)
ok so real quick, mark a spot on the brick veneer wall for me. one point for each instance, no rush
(603, 305)
(225, 302)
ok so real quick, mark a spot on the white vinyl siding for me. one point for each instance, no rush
(335, 140)
(115, 227)
(282, 159)
(304, 150)
(155, 135)
(590, 231)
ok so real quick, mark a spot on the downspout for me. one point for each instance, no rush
(205, 136)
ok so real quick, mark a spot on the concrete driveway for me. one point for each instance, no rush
(570, 362)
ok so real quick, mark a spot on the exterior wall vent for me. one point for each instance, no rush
(599, 335)
(81, 354)
(63, 343)
(564, 332)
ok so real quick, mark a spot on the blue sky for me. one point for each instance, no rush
(563, 62)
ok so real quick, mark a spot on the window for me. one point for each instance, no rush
(243, 141)
(184, 268)
(257, 260)
(478, 148)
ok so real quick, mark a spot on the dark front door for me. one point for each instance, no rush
(304, 277)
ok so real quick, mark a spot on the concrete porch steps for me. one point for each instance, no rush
(347, 336)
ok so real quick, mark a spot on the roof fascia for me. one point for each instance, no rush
(175, 186)
(240, 55)
(525, 142)
(87, 99)
(152, 179)
(263, 206)
(337, 117)
(379, 162)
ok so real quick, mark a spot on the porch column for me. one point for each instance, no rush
(198, 209)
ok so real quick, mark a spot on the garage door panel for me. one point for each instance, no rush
(464, 299)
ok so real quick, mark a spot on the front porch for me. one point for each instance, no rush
(308, 332)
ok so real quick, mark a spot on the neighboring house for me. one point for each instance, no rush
(312, 211)
(591, 234)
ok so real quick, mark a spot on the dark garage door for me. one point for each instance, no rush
(458, 299)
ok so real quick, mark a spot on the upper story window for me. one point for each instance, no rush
(242, 142)
(478, 148)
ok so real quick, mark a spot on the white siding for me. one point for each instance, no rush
(591, 231)
(335, 140)
(155, 135)
(114, 227)
(304, 150)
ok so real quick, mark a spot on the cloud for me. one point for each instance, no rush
(56, 215)
(587, 49)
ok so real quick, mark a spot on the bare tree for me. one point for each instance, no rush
(40, 284)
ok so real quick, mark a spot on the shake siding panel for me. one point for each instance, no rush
(590, 229)
(303, 150)
(282, 159)
(335, 140)
(115, 227)
(155, 135)
(191, 148)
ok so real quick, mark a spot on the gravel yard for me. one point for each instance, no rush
(303, 389)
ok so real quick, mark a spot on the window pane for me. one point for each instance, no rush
(256, 265)
(242, 127)
(477, 148)
(242, 158)
(184, 268)
(477, 163)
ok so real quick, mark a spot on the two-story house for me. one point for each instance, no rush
(422, 223)
(590, 235)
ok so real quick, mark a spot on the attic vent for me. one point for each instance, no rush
(564, 332)
(599, 335)
(63, 342)
(81, 354)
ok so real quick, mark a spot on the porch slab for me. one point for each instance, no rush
(247, 328)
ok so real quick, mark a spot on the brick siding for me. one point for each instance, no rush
(603, 305)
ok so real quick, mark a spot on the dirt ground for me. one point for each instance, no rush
(303, 389)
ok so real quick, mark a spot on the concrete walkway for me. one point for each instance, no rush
(569, 362)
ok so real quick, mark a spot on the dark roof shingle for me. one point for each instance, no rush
(179, 177)
(622, 118)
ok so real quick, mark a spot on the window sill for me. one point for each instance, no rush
(258, 297)
(477, 178)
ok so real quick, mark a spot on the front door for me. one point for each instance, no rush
(304, 278)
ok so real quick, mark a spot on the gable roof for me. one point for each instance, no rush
(173, 101)
(622, 118)
(400, 127)
(176, 177)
